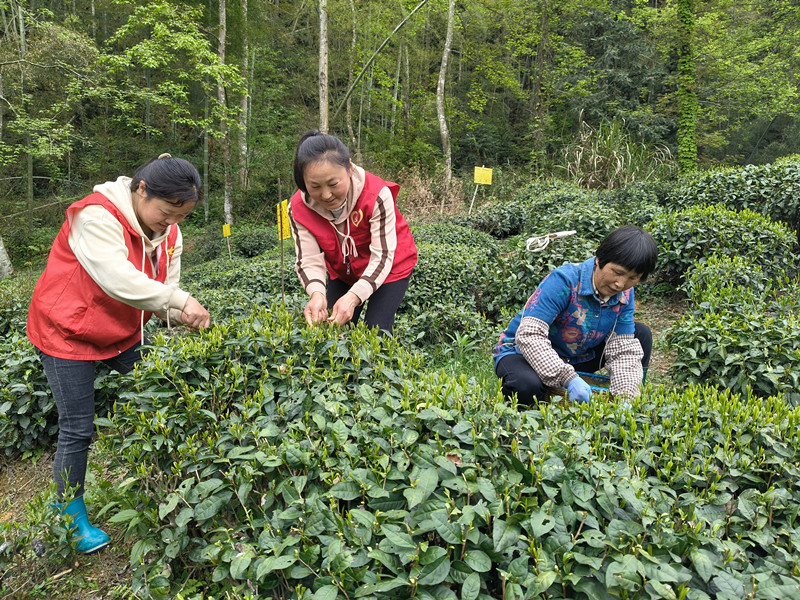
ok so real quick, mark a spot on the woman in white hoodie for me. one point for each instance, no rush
(115, 262)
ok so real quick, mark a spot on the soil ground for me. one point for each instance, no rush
(107, 575)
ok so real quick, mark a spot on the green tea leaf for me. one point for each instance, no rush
(471, 587)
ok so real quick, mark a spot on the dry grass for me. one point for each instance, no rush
(423, 196)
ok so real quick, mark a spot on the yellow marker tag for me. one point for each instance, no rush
(283, 220)
(483, 175)
(226, 230)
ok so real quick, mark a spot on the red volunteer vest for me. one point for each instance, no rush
(405, 256)
(70, 316)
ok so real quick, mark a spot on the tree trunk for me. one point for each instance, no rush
(224, 128)
(205, 164)
(396, 92)
(687, 89)
(448, 158)
(323, 67)
(349, 114)
(23, 51)
(539, 95)
(5, 262)
(245, 101)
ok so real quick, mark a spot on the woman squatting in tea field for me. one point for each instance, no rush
(581, 318)
(115, 262)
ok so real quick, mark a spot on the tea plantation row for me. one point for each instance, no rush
(263, 458)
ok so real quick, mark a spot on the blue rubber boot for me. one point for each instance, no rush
(87, 538)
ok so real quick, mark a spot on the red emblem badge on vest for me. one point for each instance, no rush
(357, 217)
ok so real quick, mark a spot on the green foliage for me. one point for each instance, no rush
(519, 271)
(435, 323)
(688, 108)
(451, 234)
(28, 413)
(28, 416)
(738, 349)
(731, 282)
(331, 462)
(639, 202)
(743, 332)
(606, 157)
(15, 296)
(546, 207)
(247, 240)
(693, 234)
(772, 190)
(26, 246)
(448, 273)
(33, 548)
(259, 276)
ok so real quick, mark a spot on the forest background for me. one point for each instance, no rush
(420, 90)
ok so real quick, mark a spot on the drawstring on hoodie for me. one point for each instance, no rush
(141, 315)
(348, 244)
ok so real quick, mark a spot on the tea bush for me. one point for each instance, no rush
(734, 283)
(743, 331)
(28, 416)
(15, 296)
(693, 234)
(738, 349)
(452, 234)
(435, 323)
(28, 413)
(266, 459)
(518, 271)
(640, 202)
(451, 274)
(772, 190)
(247, 240)
(251, 277)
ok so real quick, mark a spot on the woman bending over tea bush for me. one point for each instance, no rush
(581, 318)
(115, 262)
(345, 219)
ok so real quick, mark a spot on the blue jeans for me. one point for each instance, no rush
(72, 384)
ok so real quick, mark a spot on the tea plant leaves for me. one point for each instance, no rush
(364, 475)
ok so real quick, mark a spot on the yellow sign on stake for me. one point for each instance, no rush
(483, 175)
(226, 230)
(283, 220)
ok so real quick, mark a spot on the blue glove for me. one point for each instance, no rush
(579, 391)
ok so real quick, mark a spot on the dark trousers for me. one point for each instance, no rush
(381, 306)
(519, 378)
(72, 384)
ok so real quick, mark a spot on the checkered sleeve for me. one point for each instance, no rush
(624, 363)
(534, 344)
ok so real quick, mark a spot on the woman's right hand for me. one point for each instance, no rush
(316, 310)
(194, 315)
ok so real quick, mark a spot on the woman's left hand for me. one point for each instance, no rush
(342, 312)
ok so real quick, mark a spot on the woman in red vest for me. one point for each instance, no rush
(345, 221)
(115, 262)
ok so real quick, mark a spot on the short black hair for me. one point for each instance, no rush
(174, 180)
(314, 147)
(630, 247)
